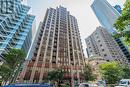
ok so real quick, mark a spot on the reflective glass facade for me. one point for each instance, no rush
(16, 27)
(105, 13)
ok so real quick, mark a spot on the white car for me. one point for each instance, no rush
(87, 85)
(124, 83)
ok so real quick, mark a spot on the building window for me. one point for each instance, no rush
(105, 55)
(102, 49)
(107, 60)
(113, 56)
(98, 40)
(88, 43)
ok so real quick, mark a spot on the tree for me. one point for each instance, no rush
(126, 70)
(112, 72)
(56, 75)
(13, 60)
(4, 72)
(14, 57)
(88, 73)
(123, 22)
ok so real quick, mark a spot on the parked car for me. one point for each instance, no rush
(87, 85)
(124, 83)
(29, 85)
(101, 83)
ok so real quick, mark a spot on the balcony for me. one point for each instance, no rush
(40, 58)
(47, 65)
(54, 65)
(35, 54)
(67, 67)
(27, 75)
(36, 75)
(39, 64)
(34, 58)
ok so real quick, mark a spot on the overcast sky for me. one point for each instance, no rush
(81, 9)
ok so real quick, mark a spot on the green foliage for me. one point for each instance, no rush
(4, 71)
(126, 70)
(13, 58)
(88, 74)
(66, 85)
(56, 75)
(123, 22)
(111, 72)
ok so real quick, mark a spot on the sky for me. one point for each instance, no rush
(81, 9)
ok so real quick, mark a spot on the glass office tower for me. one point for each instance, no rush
(105, 13)
(15, 26)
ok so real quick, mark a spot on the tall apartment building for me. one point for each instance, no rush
(101, 43)
(58, 46)
(107, 16)
(15, 26)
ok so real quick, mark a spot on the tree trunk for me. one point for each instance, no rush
(59, 83)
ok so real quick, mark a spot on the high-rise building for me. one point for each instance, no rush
(101, 43)
(34, 43)
(107, 16)
(24, 2)
(15, 26)
(118, 8)
(58, 46)
(105, 13)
